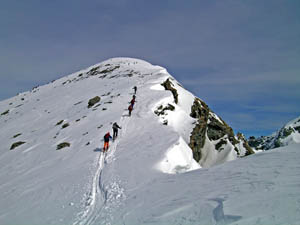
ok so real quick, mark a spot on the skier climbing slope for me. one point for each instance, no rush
(115, 128)
(106, 141)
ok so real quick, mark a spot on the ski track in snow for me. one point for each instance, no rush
(112, 193)
(102, 198)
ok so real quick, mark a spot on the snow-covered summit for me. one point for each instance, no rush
(51, 143)
(287, 135)
(210, 138)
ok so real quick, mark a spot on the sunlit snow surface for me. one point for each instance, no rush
(148, 175)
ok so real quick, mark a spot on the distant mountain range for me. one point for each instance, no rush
(288, 134)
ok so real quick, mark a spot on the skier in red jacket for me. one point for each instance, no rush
(130, 109)
(132, 102)
(106, 141)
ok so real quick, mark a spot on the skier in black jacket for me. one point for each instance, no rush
(115, 128)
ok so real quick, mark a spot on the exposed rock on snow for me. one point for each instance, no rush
(161, 109)
(63, 145)
(16, 144)
(210, 127)
(168, 85)
(5, 113)
(200, 112)
(17, 135)
(248, 150)
(59, 123)
(93, 101)
(65, 125)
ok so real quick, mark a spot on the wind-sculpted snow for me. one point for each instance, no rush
(149, 175)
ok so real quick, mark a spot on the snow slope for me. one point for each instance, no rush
(260, 189)
(148, 176)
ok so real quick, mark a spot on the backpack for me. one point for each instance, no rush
(106, 137)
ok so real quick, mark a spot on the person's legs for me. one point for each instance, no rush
(106, 145)
(115, 133)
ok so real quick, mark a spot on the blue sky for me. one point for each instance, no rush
(242, 57)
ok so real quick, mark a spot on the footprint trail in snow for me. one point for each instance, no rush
(103, 198)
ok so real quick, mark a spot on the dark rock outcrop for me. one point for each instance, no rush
(5, 113)
(246, 145)
(17, 135)
(200, 111)
(211, 126)
(63, 145)
(59, 123)
(162, 110)
(297, 129)
(220, 144)
(218, 129)
(282, 134)
(100, 70)
(93, 101)
(93, 71)
(65, 125)
(168, 85)
(16, 144)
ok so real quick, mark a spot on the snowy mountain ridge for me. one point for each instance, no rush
(53, 169)
(177, 113)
